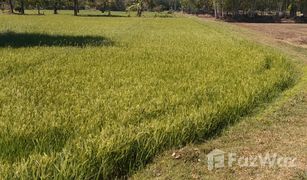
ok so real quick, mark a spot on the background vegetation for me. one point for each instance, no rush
(219, 8)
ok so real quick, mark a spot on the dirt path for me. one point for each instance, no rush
(294, 34)
(280, 128)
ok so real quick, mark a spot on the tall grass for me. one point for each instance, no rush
(89, 109)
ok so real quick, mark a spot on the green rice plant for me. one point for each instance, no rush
(98, 97)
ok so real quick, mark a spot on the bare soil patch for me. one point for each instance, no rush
(294, 34)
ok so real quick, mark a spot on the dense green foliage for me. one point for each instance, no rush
(259, 7)
(217, 7)
(93, 97)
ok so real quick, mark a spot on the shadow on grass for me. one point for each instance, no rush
(18, 40)
(15, 147)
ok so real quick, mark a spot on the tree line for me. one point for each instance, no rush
(219, 8)
(259, 7)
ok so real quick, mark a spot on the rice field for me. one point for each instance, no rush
(98, 97)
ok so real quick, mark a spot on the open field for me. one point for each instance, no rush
(85, 97)
(278, 127)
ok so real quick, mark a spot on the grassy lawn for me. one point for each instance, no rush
(89, 96)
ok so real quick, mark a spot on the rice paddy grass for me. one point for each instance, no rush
(98, 97)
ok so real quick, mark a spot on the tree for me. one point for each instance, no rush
(138, 6)
(76, 9)
(55, 6)
(304, 7)
(22, 7)
(11, 6)
(215, 6)
(293, 8)
(219, 7)
(189, 6)
(38, 4)
(107, 6)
